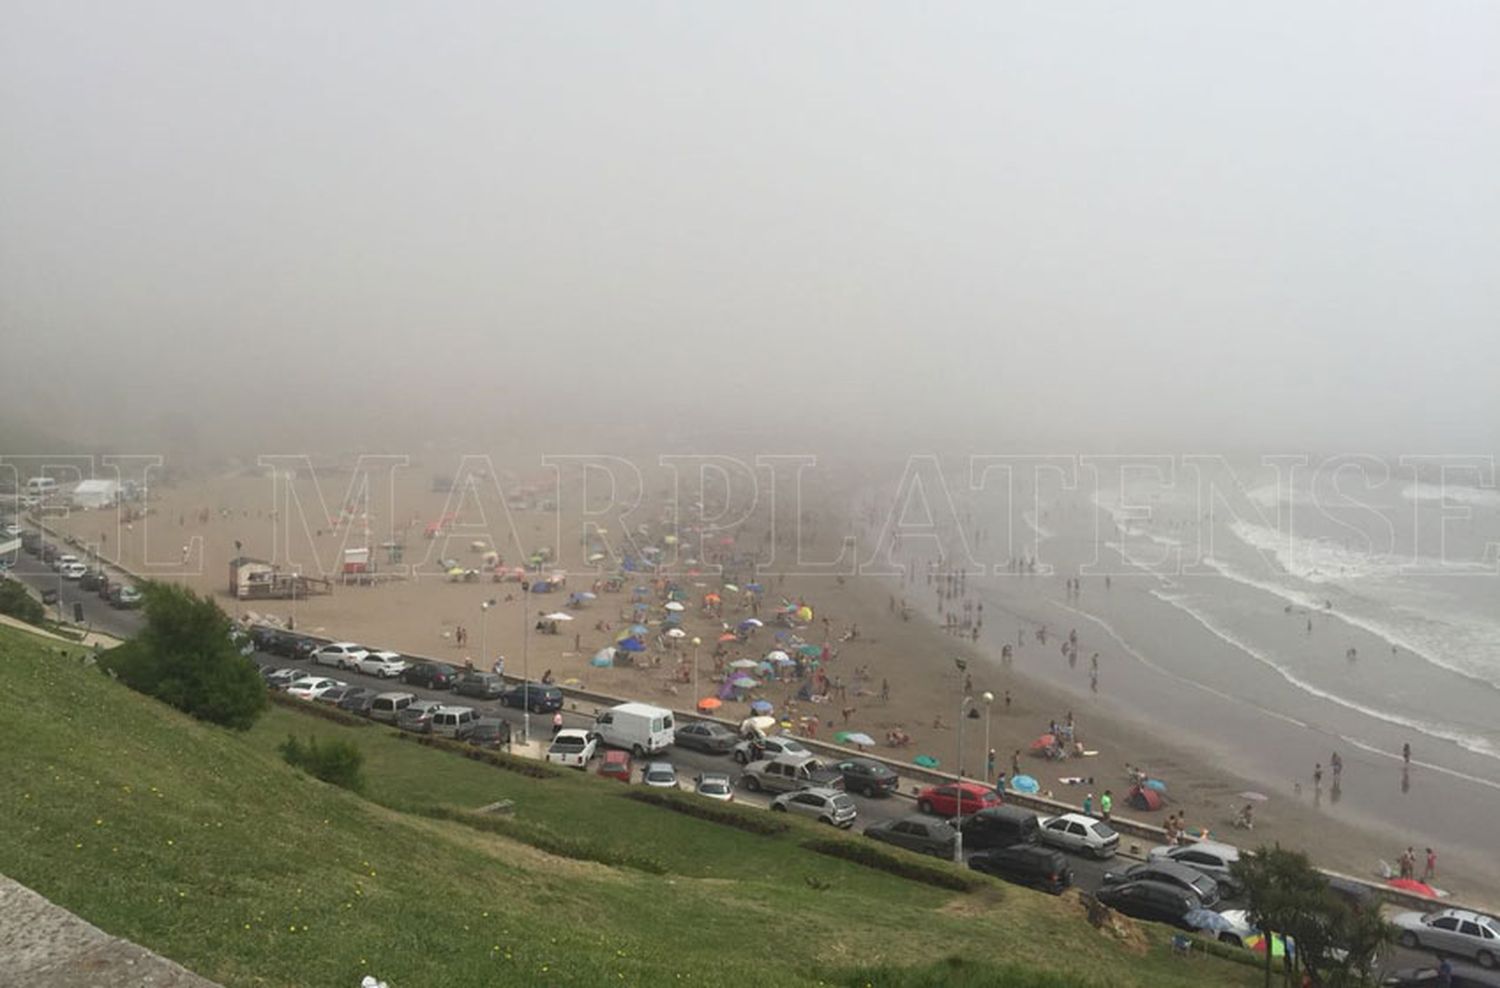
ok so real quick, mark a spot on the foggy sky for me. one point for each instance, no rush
(1182, 224)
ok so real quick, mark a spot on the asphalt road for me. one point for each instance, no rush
(1088, 873)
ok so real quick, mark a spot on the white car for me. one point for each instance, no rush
(386, 665)
(572, 747)
(312, 687)
(64, 561)
(1081, 834)
(660, 775)
(12, 530)
(1451, 931)
(759, 749)
(715, 785)
(342, 655)
(73, 571)
(824, 805)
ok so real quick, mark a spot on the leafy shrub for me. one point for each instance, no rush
(16, 602)
(576, 846)
(338, 763)
(872, 855)
(184, 657)
(322, 710)
(752, 821)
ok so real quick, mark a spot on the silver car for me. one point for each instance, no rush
(824, 805)
(1452, 931)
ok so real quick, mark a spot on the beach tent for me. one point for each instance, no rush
(631, 645)
(757, 725)
(1043, 743)
(603, 659)
(1144, 799)
(1414, 887)
(1024, 784)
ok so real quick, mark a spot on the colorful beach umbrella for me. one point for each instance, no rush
(811, 651)
(1043, 743)
(743, 683)
(1413, 886)
(710, 703)
(762, 707)
(743, 664)
(731, 588)
(728, 637)
(673, 605)
(1024, 783)
(1156, 784)
(632, 645)
(676, 633)
(859, 739)
(752, 623)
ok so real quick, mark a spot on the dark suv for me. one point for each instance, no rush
(485, 685)
(432, 675)
(1026, 864)
(867, 776)
(534, 696)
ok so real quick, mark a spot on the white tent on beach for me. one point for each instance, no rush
(96, 493)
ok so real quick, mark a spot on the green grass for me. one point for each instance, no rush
(203, 845)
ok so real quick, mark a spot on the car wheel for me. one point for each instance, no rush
(1408, 939)
(1486, 959)
(752, 783)
(924, 806)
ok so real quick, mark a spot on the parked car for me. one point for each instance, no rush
(385, 665)
(921, 834)
(714, 785)
(1210, 857)
(1462, 976)
(280, 679)
(123, 597)
(338, 694)
(533, 696)
(341, 655)
(615, 765)
(953, 799)
(484, 685)
(1080, 834)
(1451, 931)
(72, 571)
(1169, 873)
(63, 561)
(453, 722)
(1156, 901)
(417, 717)
(661, 775)
(273, 641)
(573, 747)
(90, 580)
(1000, 826)
(431, 675)
(490, 732)
(867, 776)
(49, 596)
(387, 707)
(824, 805)
(706, 736)
(759, 749)
(358, 703)
(787, 772)
(311, 687)
(1026, 864)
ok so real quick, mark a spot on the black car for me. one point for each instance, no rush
(484, 685)
(864, 775)
(705, 735)
(90, 580)
(1169, 873)
(1157, 901)
(490, 732)
(916, 833)
(358, 702)
(1026, 864)
(274, 641)
(1463, 976)
(432, 675)
(533, 696)
(1000, 826)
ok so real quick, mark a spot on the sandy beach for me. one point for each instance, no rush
(191, 531)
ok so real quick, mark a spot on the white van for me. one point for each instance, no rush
(639, 727)
(387, 707)
(41, 486)
(454, 722)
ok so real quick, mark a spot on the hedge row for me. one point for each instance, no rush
(577, 847)
(316, 709)
(496, 759)
(752, 821)
(872, 855)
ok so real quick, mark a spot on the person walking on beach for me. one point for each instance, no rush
(1007, 701)
(1318, 776)
(885, 690)
(1430, 871)
(1406, 753)
(1088, 804)
(1337, 764)
(1015, 763)
(1106, 803)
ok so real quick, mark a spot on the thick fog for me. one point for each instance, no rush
(1167, 224)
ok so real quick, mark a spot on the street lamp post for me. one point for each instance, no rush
(696, 643)
(484, 628)
(958, 803)
(526, 661)
(989, 700)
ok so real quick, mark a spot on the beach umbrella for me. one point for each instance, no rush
(1414, 887)
(637, 629)
(607, 653)
(673, 605)
(1258, 797)
(670, 540)
(1257, 942)
(762, 706)
(752, 623)
(1023, 783)
(1208, 920)
(754, 587)
(709, 703)
(757, 725)
(777, 655)
(1157, 785)
(632, 645)
(712, 598)
(728, 636)
(1143, 799)
(926, 761)
(594, 557)
(559, 616)
(743, 683)
(731, 588)
(1043, 743)
(676, 633)
(804, 613)
(743, 664)
(604, 659)
(859, 739)
(586, 595)
(811, 651)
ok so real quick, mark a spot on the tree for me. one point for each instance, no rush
(184, 657)
(15, 601)
(1334, 943)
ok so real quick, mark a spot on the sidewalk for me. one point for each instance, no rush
(43, 945)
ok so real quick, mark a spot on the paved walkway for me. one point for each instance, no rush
(45, 946)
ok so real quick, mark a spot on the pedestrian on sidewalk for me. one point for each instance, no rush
(1106, 803)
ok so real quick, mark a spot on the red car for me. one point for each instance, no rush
(615, 765)
(944, 800)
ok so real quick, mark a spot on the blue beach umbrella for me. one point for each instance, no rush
(631, 645)
(762, 706)
(1024, 783)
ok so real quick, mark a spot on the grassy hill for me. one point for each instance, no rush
(203, 845)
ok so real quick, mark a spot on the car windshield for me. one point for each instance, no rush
(659, 774)
(1103, 830)
(843, 802)
(713, 785)
(568, 744)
